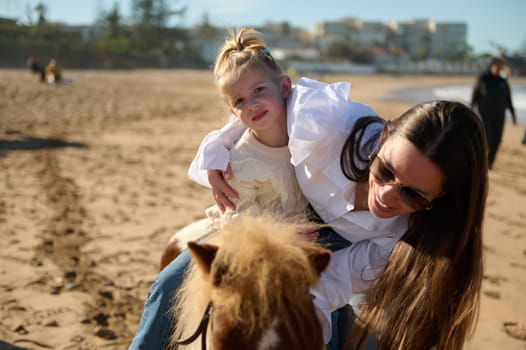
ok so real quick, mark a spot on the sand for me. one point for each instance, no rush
(94, 183)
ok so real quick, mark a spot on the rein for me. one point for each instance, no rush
(201, 329)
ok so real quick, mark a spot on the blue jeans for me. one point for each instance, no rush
(342, 323)
(156, 322)
(343, 318)
(331, 240)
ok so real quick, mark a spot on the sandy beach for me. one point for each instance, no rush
(94, 183)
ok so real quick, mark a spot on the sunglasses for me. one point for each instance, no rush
(384, 175)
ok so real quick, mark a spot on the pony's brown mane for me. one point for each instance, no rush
(256, 255)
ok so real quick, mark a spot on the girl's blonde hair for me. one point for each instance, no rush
(243, 49)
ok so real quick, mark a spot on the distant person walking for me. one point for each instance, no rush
(491, 97)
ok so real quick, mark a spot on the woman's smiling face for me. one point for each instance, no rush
(403, 168)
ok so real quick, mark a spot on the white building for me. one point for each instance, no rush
(449, 39)
(416, 36)
(327, 33)
(369, 33)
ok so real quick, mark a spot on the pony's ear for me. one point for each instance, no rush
(204, 254)
(319, 257)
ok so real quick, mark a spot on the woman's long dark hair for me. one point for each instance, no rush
(354, 159)
(428, 295)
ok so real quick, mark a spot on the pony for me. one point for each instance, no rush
(254, 275)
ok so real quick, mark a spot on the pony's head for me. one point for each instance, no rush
(257, 276)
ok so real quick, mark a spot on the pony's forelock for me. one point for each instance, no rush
(252, 249)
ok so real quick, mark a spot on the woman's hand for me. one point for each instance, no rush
(221, 189)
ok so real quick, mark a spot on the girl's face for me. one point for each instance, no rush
(402, 180)
(258, 100)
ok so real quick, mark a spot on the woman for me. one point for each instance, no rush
(428, 294)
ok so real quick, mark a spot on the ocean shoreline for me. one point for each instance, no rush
(461, 93)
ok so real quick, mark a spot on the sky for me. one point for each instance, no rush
(488, 21)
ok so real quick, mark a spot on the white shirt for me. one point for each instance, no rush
(264, 179)
(320, 117)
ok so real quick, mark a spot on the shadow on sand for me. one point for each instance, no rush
(35, 143)
(7, 346)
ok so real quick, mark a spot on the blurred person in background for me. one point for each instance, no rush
(53, 72)
(36, 67)
(491, 97)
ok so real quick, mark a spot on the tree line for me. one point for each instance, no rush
(144, 41)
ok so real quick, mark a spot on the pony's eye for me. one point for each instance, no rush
(217, 280)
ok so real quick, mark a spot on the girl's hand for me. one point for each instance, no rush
(221, 189)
